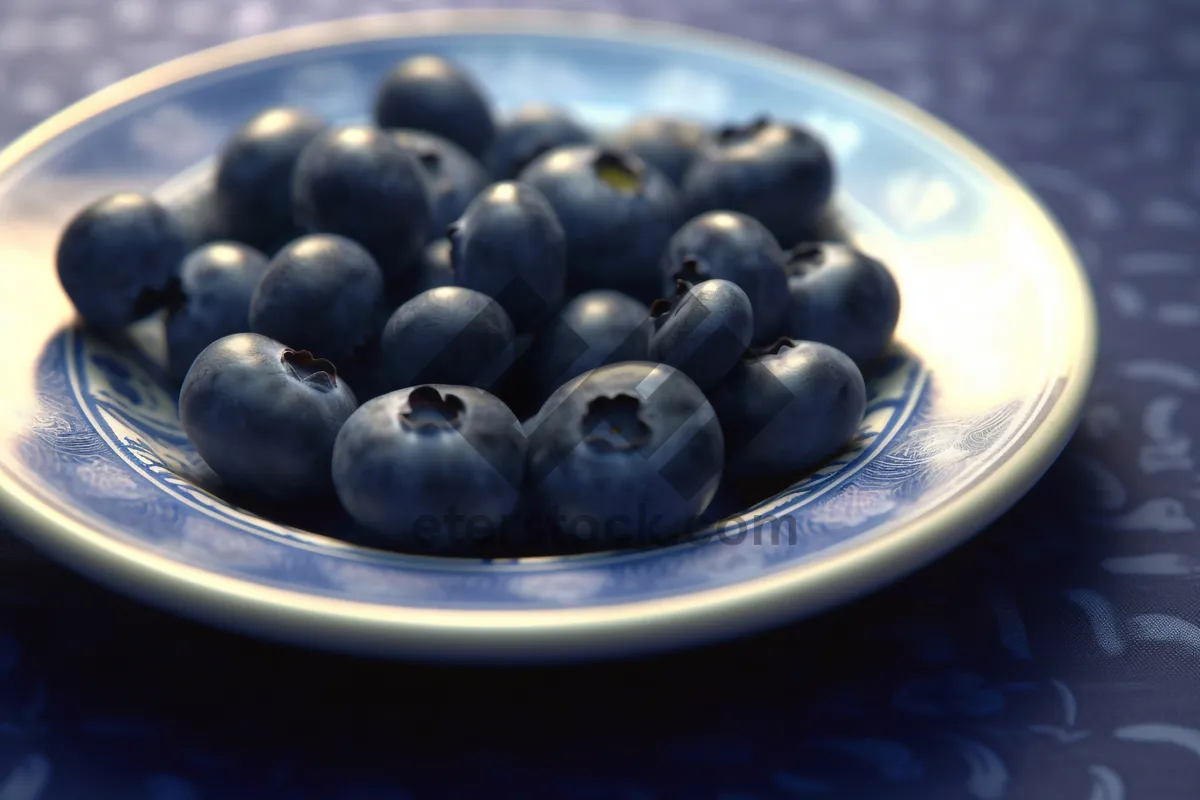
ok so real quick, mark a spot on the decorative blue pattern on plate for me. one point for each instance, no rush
(995, 348)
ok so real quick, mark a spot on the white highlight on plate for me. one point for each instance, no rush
(915, 200)
(334, 89)
(684, 91)
(844, 137)
(524, 77)
(851, 506)
(559, 587)
(210, 541)
(175, 132)
(601, 116)
(380, 582)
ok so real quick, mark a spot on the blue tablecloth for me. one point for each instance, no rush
(1057, 657)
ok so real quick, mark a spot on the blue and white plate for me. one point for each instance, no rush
(996, 348)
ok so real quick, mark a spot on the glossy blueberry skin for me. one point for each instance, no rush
(428, 93)
(592, 330)
(736, 248)
(780, 174)
(704, 331)
(117, 259)
(789, 409)
(527, 134)
(454, 176)
(843, 298)
(217, 281)
(322, 293)
(450, 335)
(432, 469)
(615, 233)
(727, 504)
(602, 457)
(510, 246)
(264, 417)
(197, 214)
(666, 143)
(253, 191)
(359, 183)
(434, 268)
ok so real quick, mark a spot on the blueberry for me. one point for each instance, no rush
(448, 335)
(322, 293)
(843, 298)
(627, 454)
(780, 174)
(664, 142)
(736, 248)
(254, 176)
(264, 417)
(434, 268)
(789, 409)
(196, 212)
(727, 506)
(428, 93)
(593, 329)
(527, 134)
(618, 214)
(359, 183)
(117, 259)
(453, 174)
(432, 468)
(510, 246)
(704, 331)
(217, 282)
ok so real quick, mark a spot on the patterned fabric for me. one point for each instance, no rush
(1056, 656)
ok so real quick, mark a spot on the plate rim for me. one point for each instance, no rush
(567, 633)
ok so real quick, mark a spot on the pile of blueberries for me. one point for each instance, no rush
(558, 340)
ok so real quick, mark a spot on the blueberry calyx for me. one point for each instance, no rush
(736, 134)
(430, 160)
(430, 411)
(618, 172)
(614, 424)
(170, 296)
(690, 271)
(776, 348)
(454, 236)
(319, 373)
(805, 258)
(663, 306)
(779, 346)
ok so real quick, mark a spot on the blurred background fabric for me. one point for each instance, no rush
(1055, 657)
